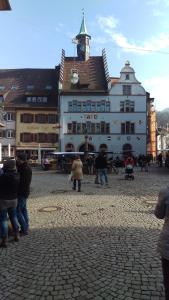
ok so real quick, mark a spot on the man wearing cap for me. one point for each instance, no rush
(9, 184)
(25, 173)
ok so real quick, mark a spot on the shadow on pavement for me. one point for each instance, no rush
(82, 263)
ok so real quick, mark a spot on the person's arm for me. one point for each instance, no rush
(160, 208)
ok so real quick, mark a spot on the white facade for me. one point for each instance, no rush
(7, 134)
(121, 113)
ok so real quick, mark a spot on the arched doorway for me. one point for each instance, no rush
(83, 147)
(69, 147)
(103, 147)
(127, 150)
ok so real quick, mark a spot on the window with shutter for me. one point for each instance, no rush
(41, 118)
(52, 119)
(42, 137)
(26, 118)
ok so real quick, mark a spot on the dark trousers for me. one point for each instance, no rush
(78, 183)
(165, 268)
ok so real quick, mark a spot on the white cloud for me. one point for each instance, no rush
(107, 22)
(158, 88)
(158, 2)
(155, 43)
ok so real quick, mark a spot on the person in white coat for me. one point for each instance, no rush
(77, 173)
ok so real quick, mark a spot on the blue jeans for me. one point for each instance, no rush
(103, 176)
(4, 213)
(22, 214)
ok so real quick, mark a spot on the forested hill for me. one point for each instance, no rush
(163, 117)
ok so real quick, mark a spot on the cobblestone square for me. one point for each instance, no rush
(97, 244)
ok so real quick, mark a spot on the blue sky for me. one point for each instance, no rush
(35, 31)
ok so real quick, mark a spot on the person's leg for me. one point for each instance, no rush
(22, 214)
(100, 171)
(165, 268)
(74, 184)
(3, 227)
(12, 213)
(105, 176)
(79, 185)
(97, 177)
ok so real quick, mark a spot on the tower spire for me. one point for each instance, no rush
(83, 47)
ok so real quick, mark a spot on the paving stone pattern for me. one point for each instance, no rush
(97, 244)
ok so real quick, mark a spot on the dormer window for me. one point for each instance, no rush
(127, 76)
(74, 76)
(30, 87)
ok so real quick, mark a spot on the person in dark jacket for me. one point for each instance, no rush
(9, 184)
(101, 165)
(25, 173)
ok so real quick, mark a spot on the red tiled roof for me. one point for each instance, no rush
(21, 78)
(91, 75)
(114, 80)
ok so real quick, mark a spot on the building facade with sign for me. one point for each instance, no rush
(30, 100)
(99, 112)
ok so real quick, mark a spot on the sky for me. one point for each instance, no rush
(34, 33)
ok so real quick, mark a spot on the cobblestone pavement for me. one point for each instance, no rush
(97, 244)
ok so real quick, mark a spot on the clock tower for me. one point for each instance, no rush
(83, 45)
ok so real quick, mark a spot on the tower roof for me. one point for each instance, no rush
(83, 28)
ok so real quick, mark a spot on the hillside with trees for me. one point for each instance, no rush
(163, 118)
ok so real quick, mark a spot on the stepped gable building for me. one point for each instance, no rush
(30, 99)
(83, 85)
(96, 111)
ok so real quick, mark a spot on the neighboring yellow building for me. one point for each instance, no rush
(152, 127)
(36, 131)
(32, 95)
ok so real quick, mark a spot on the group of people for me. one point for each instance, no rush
(15, 180)
(100, 165)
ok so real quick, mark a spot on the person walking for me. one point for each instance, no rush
(162, 212)
(77, 173)
(101, 165)
(25, 173)
(9, 184)
(90, 164)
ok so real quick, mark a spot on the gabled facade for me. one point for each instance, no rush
(83, 86)
(128, 114)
